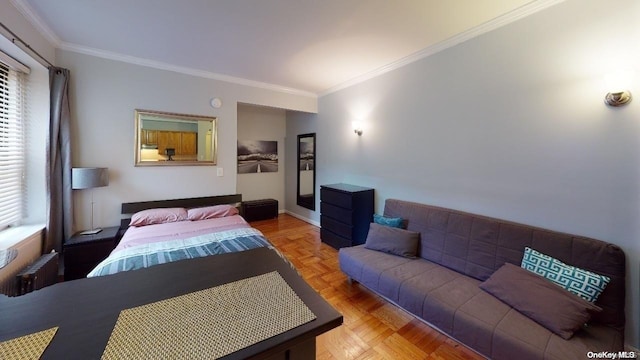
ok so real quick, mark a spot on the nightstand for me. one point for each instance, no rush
(83, 252)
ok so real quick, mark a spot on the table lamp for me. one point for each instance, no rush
(89, 178)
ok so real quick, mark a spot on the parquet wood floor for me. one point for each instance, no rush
(373, 328)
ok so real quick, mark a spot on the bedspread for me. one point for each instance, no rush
(154, 253)
(178, 230)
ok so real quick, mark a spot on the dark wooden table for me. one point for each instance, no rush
(86, 310)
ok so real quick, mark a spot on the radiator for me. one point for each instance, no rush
(43, 272)
(9, 287)
(27, 241)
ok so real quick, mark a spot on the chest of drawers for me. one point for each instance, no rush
(345, 214)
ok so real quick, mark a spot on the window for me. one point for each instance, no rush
(12, 158)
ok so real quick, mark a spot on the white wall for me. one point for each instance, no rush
(263, 123)
(510, 124)
(104, 94)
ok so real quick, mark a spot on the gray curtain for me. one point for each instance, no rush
(59, 200)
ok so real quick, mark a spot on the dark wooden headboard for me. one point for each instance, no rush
(134, 207)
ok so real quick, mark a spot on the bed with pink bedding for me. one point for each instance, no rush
(162, 234)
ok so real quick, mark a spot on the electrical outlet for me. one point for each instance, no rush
(220, 172)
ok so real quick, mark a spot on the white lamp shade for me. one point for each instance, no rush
(87, 178)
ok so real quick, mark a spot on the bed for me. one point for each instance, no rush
(157, 232)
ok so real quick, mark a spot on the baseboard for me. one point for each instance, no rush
(307, 220)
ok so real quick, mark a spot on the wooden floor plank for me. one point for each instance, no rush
(373, 328)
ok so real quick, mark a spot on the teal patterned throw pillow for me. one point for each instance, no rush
(387, 221)
(586, 284)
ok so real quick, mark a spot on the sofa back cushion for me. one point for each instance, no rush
(477, 246)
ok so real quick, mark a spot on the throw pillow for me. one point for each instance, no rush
(211, 212)
(388, 221)
(158, 216)
(551, 306)
(392, 240)
(584, 283)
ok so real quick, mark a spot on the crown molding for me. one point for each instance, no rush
(537, 5)
(181, 69)
(31, 15)
(27, 11)
(474, 32)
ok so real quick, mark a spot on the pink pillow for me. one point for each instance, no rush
(211, 212)
(158, 216)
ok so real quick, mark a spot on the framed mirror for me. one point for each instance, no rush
(307, 171)
(169, 139)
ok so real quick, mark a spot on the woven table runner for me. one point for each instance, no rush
(210, 323)
(27, 347)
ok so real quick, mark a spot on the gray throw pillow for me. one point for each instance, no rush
(392, 240)
(546, 303)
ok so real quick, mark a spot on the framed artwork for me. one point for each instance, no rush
(257, 156)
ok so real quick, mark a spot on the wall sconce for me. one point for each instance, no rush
(618, 83)
(357, 128)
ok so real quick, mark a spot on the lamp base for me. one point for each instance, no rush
(90, 232)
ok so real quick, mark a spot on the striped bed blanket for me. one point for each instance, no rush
(145, 255)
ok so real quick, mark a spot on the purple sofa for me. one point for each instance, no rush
(457, 251)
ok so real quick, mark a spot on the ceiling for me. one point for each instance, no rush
(306, 46)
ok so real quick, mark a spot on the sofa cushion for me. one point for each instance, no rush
(441, 305)
(388, 221)
(413, 292)
(475, 321)
(366, 265)
(548, 304)
(392, 240)
(586, 284)
(391, 279)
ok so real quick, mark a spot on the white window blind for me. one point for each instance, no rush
(12, 159)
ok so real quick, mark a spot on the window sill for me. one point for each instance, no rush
(12, 236)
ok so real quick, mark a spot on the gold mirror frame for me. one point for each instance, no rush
(170, 139)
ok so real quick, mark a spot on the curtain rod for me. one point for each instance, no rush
(16, 37)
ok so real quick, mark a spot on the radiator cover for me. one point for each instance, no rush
(42, 272)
